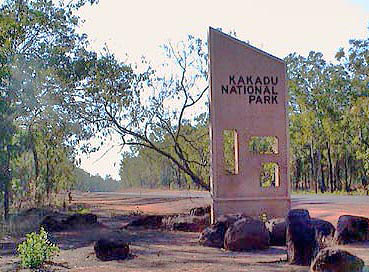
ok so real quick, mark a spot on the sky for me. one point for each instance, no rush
(132, 29)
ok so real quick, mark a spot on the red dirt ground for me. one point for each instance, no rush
(169, 251)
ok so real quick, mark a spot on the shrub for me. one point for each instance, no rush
(36, 250)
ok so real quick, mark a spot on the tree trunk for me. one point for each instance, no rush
(347, 186)
(7, 178)
(318, 170)
(331, 178)
(322, 188)
(313, 179)
(350, 171)
(298, 173)
(337, 170)
(48, 185)
(35, 156)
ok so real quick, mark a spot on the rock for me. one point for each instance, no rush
(62, 222)
(230, 219)
(336, 260)
(147, 221)
(201, 211)
(110, 249)
(185, 226)
(324, 233)
(79, 220)
(187, 223)
(50, 223)
(277, 231)
(351, 229)
(300, 237)
(213, 236)
(246, 234)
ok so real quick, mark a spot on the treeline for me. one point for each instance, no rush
(55, 94)
(328, 126)
(86, 182)
(144, 167)
(329, 119)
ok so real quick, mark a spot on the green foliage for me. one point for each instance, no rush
(269, 175)
(38, 54)
(328, 114)
(36, 250)
(54, 93)
(143, 167)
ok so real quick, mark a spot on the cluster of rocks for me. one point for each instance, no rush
(114, 249)
(309, 241)
(61, 222)
(239, 232)
(196, 221)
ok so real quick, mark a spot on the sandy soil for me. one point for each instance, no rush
(164, 250)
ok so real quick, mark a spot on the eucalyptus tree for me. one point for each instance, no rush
(356, 62)
(151, 109)
(328, 110)
(38, 42)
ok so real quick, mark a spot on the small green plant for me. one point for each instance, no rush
(36, 250)
(83, 210)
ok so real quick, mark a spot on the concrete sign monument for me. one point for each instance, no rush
(248, 129)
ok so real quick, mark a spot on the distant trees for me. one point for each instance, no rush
(143, 167)
(150, 110)
(86, 182)
(54, 92)
(328, 126)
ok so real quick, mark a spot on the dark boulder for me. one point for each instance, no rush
(213, 236)
(300, 237)
(324, 233)
(201, 211)
(277, 231)
(187, 223)
(78, 220)
(62, 222)
(52, 224)
(336, 260)
(111, 249)
(246, 234)
(351, 229)
(187, 227)
(229, 219)
(147, 221)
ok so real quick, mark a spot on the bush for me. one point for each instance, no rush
(36, 250)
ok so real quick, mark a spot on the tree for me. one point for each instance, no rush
(146, 109)
(356, 63)
(327, 109)
(38, 43)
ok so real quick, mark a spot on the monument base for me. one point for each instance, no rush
(254, 207)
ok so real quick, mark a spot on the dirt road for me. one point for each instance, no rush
(327, 207)
(168, 251)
